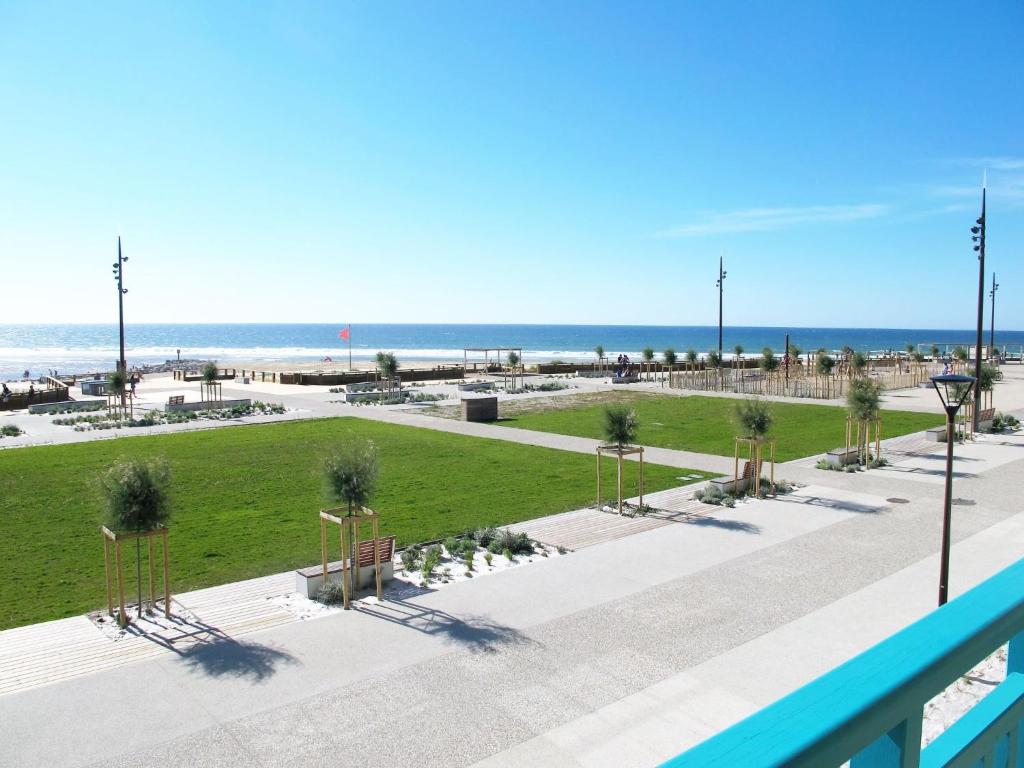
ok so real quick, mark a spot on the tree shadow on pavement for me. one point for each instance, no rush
(479, 634)
(242, 659)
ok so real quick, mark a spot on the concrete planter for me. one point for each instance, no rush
(205, 406)
(840, 457)
(309, 580)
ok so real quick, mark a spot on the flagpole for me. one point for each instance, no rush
(350, 347)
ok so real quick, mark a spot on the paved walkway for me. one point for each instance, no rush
(621, 653)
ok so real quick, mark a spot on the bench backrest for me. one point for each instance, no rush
(987, 415)
(387, 551)
(176, 400)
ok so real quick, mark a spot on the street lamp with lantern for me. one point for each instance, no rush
(978, 236)
(992, 327)
(953, 389)
(718, 285)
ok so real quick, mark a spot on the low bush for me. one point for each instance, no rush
(410, 558)
(714, 495)
(516, 543)
(484, 536)
(452, 545)
(10, 430)
(330, 593)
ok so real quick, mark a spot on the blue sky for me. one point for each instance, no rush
(511, 162)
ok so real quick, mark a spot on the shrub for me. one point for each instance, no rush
(670, 356)
(518, 543)
(487, 558)
(430, 562)
(467, 545)
(451, 545)
(467, 558)
(410, 558)
(858, 362)
(10, 430)
(768, 362)
(508, 554)
(330, 593)
(824, 464)
(754, 417)
(823, 364)
(485, 536)
(713, 495)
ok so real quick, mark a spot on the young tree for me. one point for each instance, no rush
(753, 417)
(620, 427)
(737, 357)
(935, 352)
(714, 361)
(768, 363)
(513, 364)
(620, 424)
(691, 358)
(858, 363)
(824, 363)
(136, 492)
(863, 405)
(670, 357)
(209, 382)
(388, 365)
(648, 355)
(350, 474)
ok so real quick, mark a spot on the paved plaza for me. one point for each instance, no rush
(643, 641)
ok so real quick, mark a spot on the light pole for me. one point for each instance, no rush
(121, 291)
(992, 327)
(718, 284)
(953, 389)
(978, 236)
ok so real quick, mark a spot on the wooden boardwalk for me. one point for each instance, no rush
(587, 527)
(41, 654)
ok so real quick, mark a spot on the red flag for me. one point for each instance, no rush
(343, 333)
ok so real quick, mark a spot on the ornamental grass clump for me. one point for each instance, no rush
(136, 492)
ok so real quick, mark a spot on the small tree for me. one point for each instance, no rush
(388, 365)
(858, 363)
(714, 361)
(350, 474)
(136, 493)
(513, 364)
(960, 353)
(737, 355)
(935, 352)
(117, 381)
(824, 364)
(753, 417)
(989, 376)
(863, 404)
(620, 424)
(768, 363)
(209, 382)
(670, 357)
(648, 356)
(691, 358)
(794, 353)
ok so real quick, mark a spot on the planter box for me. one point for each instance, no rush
(94, 387)
(205, 406)
(66, 405)
(309, 580)
(473, 386)
(840, 457)
(936, 434)
(726, 484)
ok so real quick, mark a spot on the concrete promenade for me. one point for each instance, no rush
(619, 654)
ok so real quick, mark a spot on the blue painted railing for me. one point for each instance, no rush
(869, 710)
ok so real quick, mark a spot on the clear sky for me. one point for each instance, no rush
(511, 161)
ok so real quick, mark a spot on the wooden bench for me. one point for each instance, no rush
(987, 415)
(309, 580)
(176, 400)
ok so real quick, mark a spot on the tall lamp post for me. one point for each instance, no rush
(992, 327)
(953, 389)
(718, 284)
(978, 236)
(121, 291)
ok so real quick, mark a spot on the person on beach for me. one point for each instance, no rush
(31, 394)
(5, 394)
(133, 381)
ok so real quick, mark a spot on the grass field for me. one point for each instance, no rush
(705, 424)
(246, 502)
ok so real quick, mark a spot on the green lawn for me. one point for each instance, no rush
(246, 502)
(705, 424)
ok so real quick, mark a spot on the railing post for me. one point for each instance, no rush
(1015, 654)
(899, 748)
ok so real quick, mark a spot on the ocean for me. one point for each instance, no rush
(83, 348)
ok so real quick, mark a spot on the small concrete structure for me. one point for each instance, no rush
(631, 379)
(840, 457)
(241, 379)
(473, 386)
(94, 387)
(730, 485)
(480, 408)
(309, 580)
(936, 434)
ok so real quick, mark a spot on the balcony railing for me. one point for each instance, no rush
(869, 710)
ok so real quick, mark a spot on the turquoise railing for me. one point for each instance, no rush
(869, 710)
